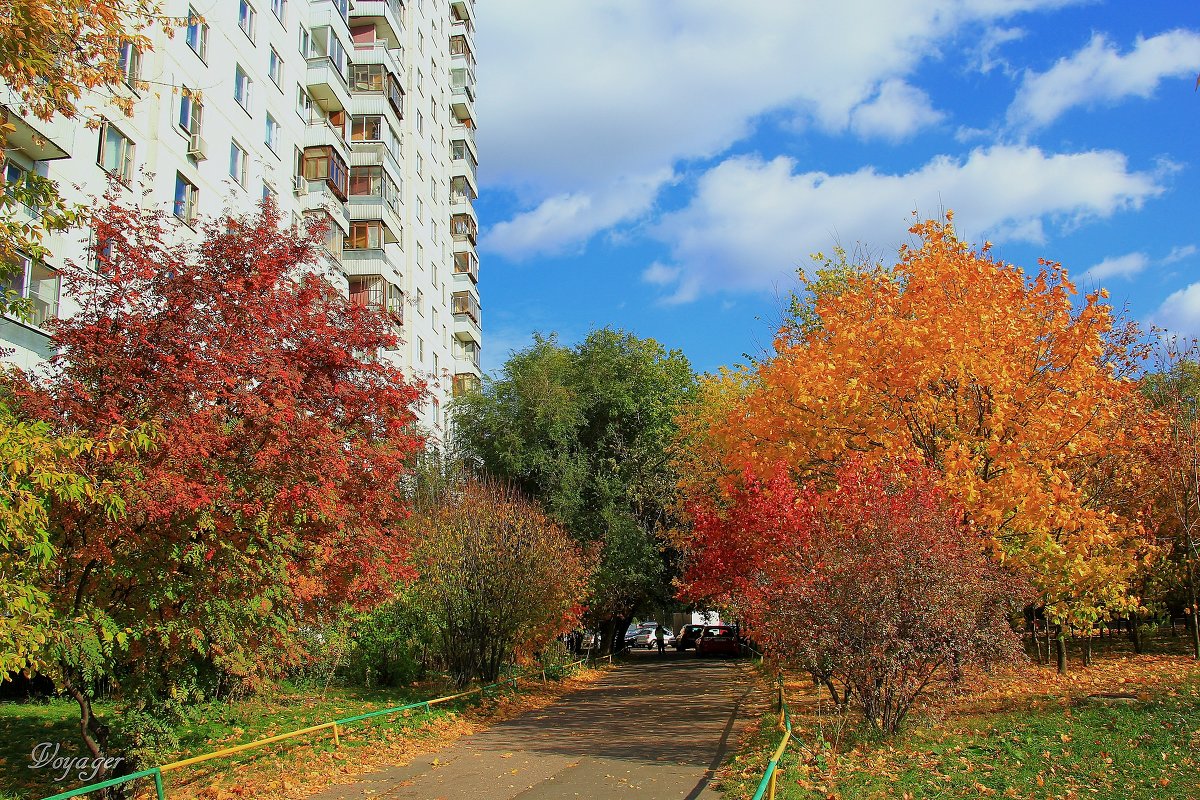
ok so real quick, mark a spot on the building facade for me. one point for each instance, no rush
(360, 112)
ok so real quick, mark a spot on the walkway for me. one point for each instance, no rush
(656, 727)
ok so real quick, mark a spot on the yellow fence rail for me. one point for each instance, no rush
(334, 727)
(766, 787)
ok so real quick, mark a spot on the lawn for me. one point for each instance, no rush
(1020, 733)
(277, 770)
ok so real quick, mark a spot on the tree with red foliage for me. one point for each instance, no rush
(272, 491)
(876, 583)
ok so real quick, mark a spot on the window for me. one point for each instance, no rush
(272, 137)
(420, 164)
(268, 192)
(130, 64)
(186, 196)
(278, 8)
(420, 123)
(305, 42)
(324, 164)
(373, 182)
(238, 163)
(37, 283)
(337, 54)
(242, 86)
(276, 68)
(366, 129)
(368, 78)
(365, 236)
(190, 112)
(332, 241)
(247, 18)
(116, 152)
(420, 350)
(304, 103)
(197, 34)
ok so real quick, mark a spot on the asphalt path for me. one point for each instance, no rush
(654, 727)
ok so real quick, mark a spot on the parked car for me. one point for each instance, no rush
(718, 640)
(643, 636)
(688, 635)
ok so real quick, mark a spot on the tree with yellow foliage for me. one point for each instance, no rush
(1021, 401)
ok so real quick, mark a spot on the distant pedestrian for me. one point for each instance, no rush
(661, 638)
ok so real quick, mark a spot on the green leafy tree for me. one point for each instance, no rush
(586, 430)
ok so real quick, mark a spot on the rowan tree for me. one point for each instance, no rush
(876, 586)
(273, 491)
(1022, 402)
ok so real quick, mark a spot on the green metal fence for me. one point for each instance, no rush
(334, 726)
(766, 787)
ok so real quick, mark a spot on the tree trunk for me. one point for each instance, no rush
(1061, 645)
(1192, 618)
(94, 733)
(1087, 650)
(1135, 634)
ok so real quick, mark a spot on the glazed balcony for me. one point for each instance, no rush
(387, 15)
(464, 228)
(466, 383)
(466, 265)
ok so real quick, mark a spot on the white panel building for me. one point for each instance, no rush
(358, 110)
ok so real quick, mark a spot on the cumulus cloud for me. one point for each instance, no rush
(565, 220)
(1180, 312)
(1100, 74)
(896, 113)
(1125, 266)
(753, 221)
(576, 99)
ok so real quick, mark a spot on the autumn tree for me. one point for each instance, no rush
(585, 431)
(1021, 401)
(498, 579)
(1174, 389)
(273, 492)
(876, 586)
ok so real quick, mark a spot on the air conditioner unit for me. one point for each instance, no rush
(197, 148)
(299, 185)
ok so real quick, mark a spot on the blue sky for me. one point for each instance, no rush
(664, 167)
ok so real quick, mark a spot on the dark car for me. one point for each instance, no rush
(636, 636)
(718, 640)
(688, 635)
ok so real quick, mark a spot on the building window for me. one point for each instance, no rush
(197, 34)
(278, 8)
(276, 68)
(247, 18)
(324, 164)
(239, 162)
(304, 103)
(420, 123)
(242, 87)
(190, 112)
(272, 137)
(305, 42)
(373, 182)
(116, 153)
(130, 64)
(186, 197)
(365, 236)
(366, 129)
(268, 192)
(37, 283)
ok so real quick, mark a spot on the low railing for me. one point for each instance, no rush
(766, 787)
(157, 772)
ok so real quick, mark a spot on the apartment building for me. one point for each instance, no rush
(360, 112)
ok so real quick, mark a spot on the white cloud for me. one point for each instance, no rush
(753, 221)
(660, 274)
(1100, 74)
(995, 38)
(1180, 312)
(565, 220)
(1125, 266)
(1180, 253)
(896, 113)
(578, 96)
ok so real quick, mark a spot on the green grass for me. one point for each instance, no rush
(1103, 749)
(211, 726)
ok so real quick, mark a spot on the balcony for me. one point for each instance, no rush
(462, 12)
(464, 228)
(378, 294)
(466, 383)
(328, 84)
(466, 265)
(382, 53)
(463, 163)
(462, 193)
(322, 131)
(319, 195)
(465, 303)
(388, 16)
(376, 154)
(370, 261)
(39, 140)
(461, 56)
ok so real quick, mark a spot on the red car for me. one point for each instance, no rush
(718, 640)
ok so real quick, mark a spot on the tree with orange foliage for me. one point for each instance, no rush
(1022, 402)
